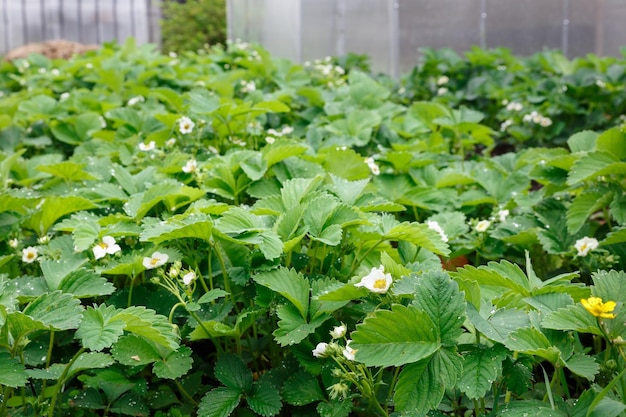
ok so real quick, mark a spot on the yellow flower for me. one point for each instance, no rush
(595, 306)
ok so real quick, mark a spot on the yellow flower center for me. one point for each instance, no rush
(103, 245)
(30, 255)
(381, 284)
(153, 261)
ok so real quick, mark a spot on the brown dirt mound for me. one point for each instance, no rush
(55, 49)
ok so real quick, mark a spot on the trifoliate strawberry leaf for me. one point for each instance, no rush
(232, 372)
(302, 388)
(290, 284)
(100, 327)
(175, 365)
(12, 372)
(133, 350)
(481, 367)
(57, 310)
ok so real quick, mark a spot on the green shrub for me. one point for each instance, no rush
(192, 24)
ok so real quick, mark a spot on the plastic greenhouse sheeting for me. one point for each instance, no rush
(392, 32)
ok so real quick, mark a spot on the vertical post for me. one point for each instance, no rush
(61, 19)
(24, 23)
(79, 11)
(133, 32)
(565, 28)
(229, 19)
(599, 46)
(116, 26)
(98, 26)
(7, 32)
(340, 27)
(42, 16)
(154, 18)
(299, 32)
(394, 37)
(482, 25)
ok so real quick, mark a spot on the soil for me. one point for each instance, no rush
(54, 49)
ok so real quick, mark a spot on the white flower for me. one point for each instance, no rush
(248, 87)
(437, 228)
(287, 130)
(545, 122)
(89, 65)
(372, 166)
(172, 54)
(270, 140)
(586, 245)
(13, 243)
(376, 281)
(501, 67)
(320, 350)
(103, 123)
(443, 80)
(135, 100)
(156, 260)
(43, 240)
(185, 125)
(190, 166)
(483, 225)
(348, 352)
(189, 277)
(441, 91)
(600, 83)
(173, 272)
(64, 96)
(29, 254)
(514, 106)
(147, 148)
(338, 331)
(107, 245)
(170, 142)
(41, 70)
(505, 125)
(502, 215)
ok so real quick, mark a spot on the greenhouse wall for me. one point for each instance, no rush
(86, 21)
(392, 32)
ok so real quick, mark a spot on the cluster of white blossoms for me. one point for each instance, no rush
(147, 147)
(273, 134)
(443, 80)
(433, 225)
(376, 281)
(185, 125)
(600, 83)
(371, 164)
(502, 215)
(442, 91)
(325, 67)
(190, 167)
(135, 100)
(586, 245)
(538, 119)
(248, 86)
(514, 106)
(506, 124)
(106, 246)
(324, 349)
(156, 260)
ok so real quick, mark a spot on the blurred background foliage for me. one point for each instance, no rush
(189, 25)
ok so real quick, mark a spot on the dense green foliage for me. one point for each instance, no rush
(192, 24)
(224, 233)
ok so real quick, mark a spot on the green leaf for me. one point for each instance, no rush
(232, 372)
(592, 165)
(67, 171)
(175, 365)
(421, 385)
(610, 285)
(56, 310)
(583, 365)
(83, 283)
(212, 295)
(584, 141)
(420, 235)
(302, 388)
(500, 324)
(393, 338)
(265, 399)
(532, 342)
(145, 322)
(99, 328)
(219, 402)
(53, 208)
(336, 408)
(133, 350)
(440, 298)
(613, 142)
(530, 409)
(12, 372)
(481, 367)
(614, 237)
(201, 101)
(572, 317)
(194, 226)
(292, 327)
(584, 205)
(503, 274)
(90, 360)
(288, 283)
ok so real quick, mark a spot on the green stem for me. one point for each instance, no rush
(184, 392)
(171, 316)
(6, 392)
(392, 385)
(48, 357)
(201, 324)
(605, 391)
(61, 382)
(357, 261)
